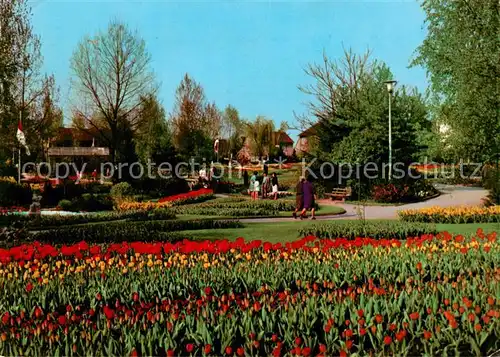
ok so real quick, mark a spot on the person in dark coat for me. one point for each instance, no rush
(299, 197)
(309, 199)
(246, 179)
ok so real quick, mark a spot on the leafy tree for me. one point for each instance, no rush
(196, 124)
(153, 139)
(24, 92)
(259, 136)
(111, 76)
(232, 130)
(462, 56)
(351, 112)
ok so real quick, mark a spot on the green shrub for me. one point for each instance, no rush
(60, 220)
(87, 203)
(65, 205)
(121, 191)
(14, 194)
(126, 231)
(237, 207)
(376, 230)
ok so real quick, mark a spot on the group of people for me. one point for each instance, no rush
(305, 199)
(268, 187)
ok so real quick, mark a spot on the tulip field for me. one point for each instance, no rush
(433, 295)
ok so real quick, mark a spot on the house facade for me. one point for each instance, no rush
(306, 140)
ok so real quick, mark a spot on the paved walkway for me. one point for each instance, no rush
(450, 196)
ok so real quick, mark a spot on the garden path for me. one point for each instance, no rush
(450, 196)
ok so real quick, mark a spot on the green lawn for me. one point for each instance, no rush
(288, 231)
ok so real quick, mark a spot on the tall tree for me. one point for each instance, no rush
(196, 124)
(153, 139)
(462, 56)
(259, 136)
(350, 108)
(111, 76)
(21, 83)
(232, 130)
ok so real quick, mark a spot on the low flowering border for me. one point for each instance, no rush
(461, 214)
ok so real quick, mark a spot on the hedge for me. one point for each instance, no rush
(146, 231)
(376, 230)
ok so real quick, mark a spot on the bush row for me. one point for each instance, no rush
(87, 203)
(146, 231)
(377, 230)
(60, 220)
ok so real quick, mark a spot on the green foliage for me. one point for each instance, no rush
(14, 194)
(47, 221)
(147, 231)
(260, 136)
(122, 190)
(88, 203)
(65, 205)
(350, 107)
(195, 122)
(462, 56)
(491, 181)
(375, 230)
(153, 139)
(160, 187)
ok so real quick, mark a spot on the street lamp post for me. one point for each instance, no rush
(390, 89)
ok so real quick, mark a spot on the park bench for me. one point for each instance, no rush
(340, 193)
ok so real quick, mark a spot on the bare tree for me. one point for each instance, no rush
(110, 76)
(332, 81)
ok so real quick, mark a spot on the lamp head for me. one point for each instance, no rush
(390, 86)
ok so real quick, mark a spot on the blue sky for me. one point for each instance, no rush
(247, 54)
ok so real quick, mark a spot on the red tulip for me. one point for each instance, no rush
(229, 350)
(360, 313)
(348, 344)
(387, 340)
(208, 291)
(348, 333)
(379, 318)
(170, 353)
(61, 320)
(207, 349)
(342, 354)
(427, 335)
(306, 351)
(414, 315)
(240, 351)
(108, 312)
(135, 297)
(134, 353)
(29, 287)
(189, 348)
(362, 331)
(298, 341)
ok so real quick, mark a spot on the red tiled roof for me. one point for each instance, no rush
(312, 131)
(284, 138)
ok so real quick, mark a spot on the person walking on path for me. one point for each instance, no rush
(309, 199)
(274, 185)
(251, 187)
(299, 197)
(266, 185)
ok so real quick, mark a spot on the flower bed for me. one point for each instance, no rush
(462, 214)
(142, 206)
(200, 195)
(431, 295)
